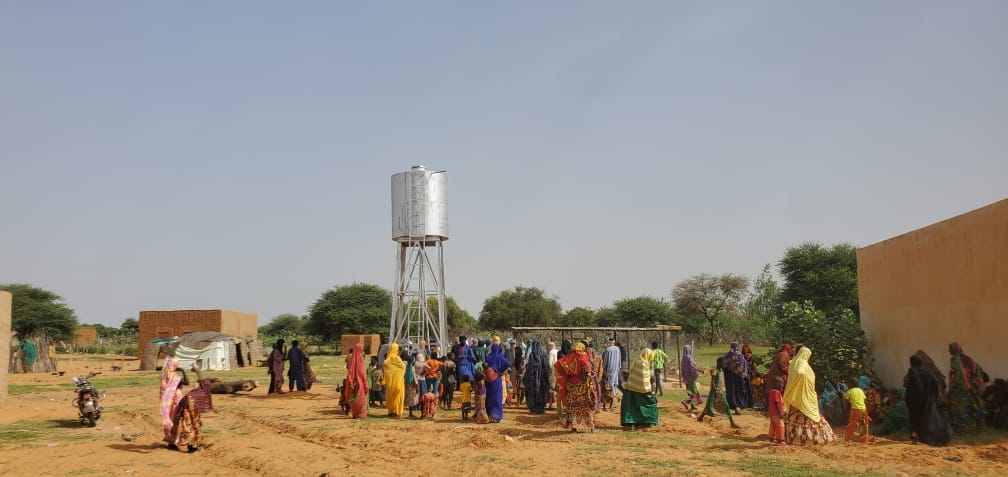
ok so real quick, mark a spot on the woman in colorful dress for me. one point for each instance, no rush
(276, 367)
(170, 395)
(393, 379)
(803, 424)
(639, 407)
(187, 422)
(357, 382)
(967, 380)
(578, 391)
(690, 375)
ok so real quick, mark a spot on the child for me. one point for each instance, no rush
(479, 406)
(857, 427)
(716, 394)
(377, 392)
(466, 389)
(448, 382)
(508, 390)
(429, 405)
(775, 409)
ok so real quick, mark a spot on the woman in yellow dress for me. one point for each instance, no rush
(395, 381)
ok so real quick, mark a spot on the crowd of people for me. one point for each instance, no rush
(927, 406)
(579, 382)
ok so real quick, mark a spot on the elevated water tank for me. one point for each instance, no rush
(419, 205)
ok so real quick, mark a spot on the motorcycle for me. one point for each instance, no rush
(88, 409)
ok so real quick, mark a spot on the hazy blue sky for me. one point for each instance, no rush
(164, 155)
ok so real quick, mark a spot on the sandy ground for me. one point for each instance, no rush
(305, 434)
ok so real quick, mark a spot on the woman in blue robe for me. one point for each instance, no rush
(495, 389)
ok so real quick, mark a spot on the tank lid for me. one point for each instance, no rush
(419, 167)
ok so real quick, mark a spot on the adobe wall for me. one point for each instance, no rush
(85, 336)
(157, 324)
(5, 337)
(942, 283)
(239, 324)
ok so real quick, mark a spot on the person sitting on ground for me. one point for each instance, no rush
(898, 418)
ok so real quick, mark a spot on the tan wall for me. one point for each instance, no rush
(240, 324)
(156, 324)
(85, 336)
(945, 282)
(5, 337)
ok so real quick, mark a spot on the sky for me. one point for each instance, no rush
(238, 154)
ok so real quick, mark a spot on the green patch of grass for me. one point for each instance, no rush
(17, 389)
(706, 355)
(84, 471)
(658, 464)
(771, 467)
(24, 433)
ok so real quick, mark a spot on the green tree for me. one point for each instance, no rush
(359, 308)
(578, 316)
(606, 316)
(643, 312)
(523, 306)
(826, 276)
(285, 325)
(762, 308)
(838, 344)
(34, 310)
(711, 298)
(457, 320)
(130, 324)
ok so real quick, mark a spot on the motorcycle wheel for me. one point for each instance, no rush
(91, 419)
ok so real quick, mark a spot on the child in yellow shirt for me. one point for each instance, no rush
(467, 404)
(857, 427)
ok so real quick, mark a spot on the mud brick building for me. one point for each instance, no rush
(166, 324)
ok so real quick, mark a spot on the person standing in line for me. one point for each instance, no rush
(393, 379)
(804, 425)
(357, 382)
(927, 423)
(658, 358)
(276, 367)
(612, 370)
(639, 407)
(295, 372)
(552, 356)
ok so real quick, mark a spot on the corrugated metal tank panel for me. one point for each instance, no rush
(419, 205)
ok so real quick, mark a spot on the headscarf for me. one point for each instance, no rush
(640, 373)
(496, 360)
(735, 362)
(687, 367)
(393, 361)
(553, 353)
(929, 363)
(864, 382)
(800, 391)
(579, 346)
(565, 348)
(963, 370)
(357, 372)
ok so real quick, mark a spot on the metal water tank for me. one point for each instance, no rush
(419, 205)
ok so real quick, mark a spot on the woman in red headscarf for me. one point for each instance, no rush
(578, 392)
(357, 383)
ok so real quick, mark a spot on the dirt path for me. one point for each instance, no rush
(305, 434)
